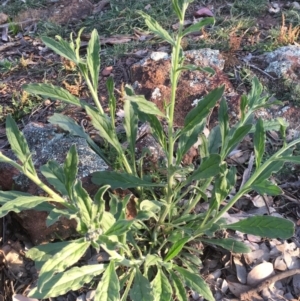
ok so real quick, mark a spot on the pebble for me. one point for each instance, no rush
(159, 55)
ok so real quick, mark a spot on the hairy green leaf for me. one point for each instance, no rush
(145, 106)
(198, 26)
(141, 289)
(157, 29)
(131, 127)
(112, 102)
(214, 140)
(119, 227)
(120, 180)
(6, 196)
(22, 203)
(224, 122)
(156, 127)
(201, 111)
(265, 226)
(84, 203)
(93, 58)
(195, 282)
(19, 144)
(162, 289)
(179, 287)
(259, 142)
(74, 278)
(266, 187)
(229, 244)
(109, 286)
(61, 47)
(68, 124)
(209, 167)
(188, 139)
(237, 137)
(271, 167)
(70, 168)
(54, 174)
(102, 123)
(176, 248)
(66, 257)
(53, 92)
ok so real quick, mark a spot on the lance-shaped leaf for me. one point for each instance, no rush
(224, 122)
(188, 139)
(82, 199)
(102, 123)
(70, 168)
(162, 289)
(130, 126)
(42, 253)
(22, 203)
(66, 257)
(195, 282)
(109, 286)
(214, 140)
(6, 196)
(112, 102)
(237, 137)
(93, 58)
(266, 187)
(53, 92)
(141, 289)
(265, 226)
(176, 248)
(259, 142)
(98, 206)
(198, 26)
(229, 244)
(156, 127)
(209, 167)
(157, 29)
(144, 105)
(19, 144)
(178, 286)
(223, 185)
(272, 166)
(68, 124)
(119, 227)
(177, 9)
(61, 47)
(196, 115)
(54, 174)
(120, 180)
(74, 278)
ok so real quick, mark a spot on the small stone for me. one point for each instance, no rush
(47, 102)
(296, 5)
(107, 71)
(159, 55)
(3, 18)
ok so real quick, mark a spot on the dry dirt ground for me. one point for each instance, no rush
(36, 64)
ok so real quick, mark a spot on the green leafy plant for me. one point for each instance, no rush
(153, 255)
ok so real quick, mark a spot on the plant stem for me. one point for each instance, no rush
(174, 80)
(124, 297)
(94, 93)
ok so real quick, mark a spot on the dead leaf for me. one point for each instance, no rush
(203, 12)
(259, 273)
(18, 297)
(236, 288)
(241, 271)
